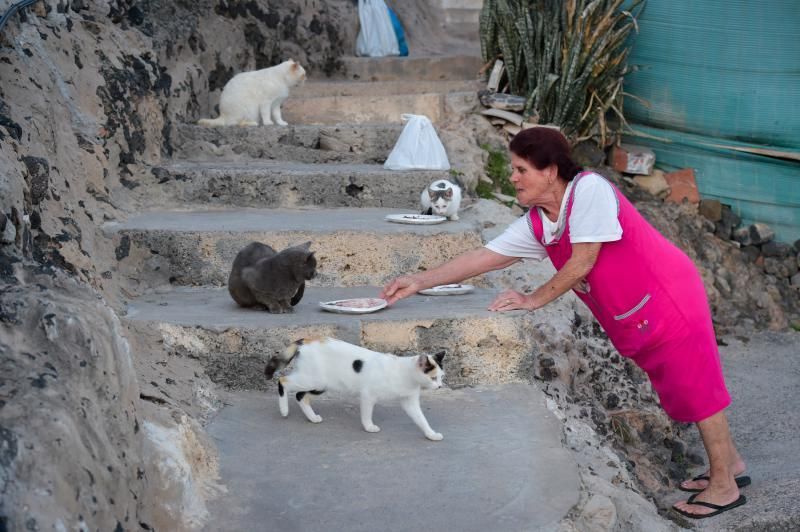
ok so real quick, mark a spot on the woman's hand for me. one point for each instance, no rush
(400, 287)
(511, 300)
(466, 265)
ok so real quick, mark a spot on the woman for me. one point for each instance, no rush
(643, 290)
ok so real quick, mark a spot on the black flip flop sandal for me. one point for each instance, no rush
(718, 509)
(741, 482)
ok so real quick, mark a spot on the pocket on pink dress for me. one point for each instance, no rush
(646, 325)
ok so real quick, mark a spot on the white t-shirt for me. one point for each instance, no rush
(594, 218)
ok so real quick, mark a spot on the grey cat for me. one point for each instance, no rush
(261, 276)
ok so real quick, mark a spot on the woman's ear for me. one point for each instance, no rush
(552, 172)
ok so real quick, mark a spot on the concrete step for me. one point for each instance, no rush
(352, 246)
(316, 89)
(472, 5)
(234, 343)
(358, 143)
(461, 16)
(289, 184)
(372, 109)
(500, 466)
(422, 68)
(465, 29)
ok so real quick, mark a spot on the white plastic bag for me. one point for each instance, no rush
(376, 38)
(418, 147)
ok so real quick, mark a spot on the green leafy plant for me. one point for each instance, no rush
(498, 170)
(567, 58)
(484, 190)
(456, 175)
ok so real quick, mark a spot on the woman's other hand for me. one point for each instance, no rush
(400, 287)
(510, 300)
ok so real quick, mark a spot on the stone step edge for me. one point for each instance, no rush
(314, 88)
(287, 166)
(484, 347)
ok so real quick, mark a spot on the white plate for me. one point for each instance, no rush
(363, 305)
(448, 290)
(416, 219)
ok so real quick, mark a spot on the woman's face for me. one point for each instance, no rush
(531, 183)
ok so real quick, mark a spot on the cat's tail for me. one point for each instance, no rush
(281, 360)
(219, 121)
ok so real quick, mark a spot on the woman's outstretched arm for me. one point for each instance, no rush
(578, 266)
(466, 265)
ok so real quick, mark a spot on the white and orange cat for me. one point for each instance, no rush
(250, 98)
(337, 366)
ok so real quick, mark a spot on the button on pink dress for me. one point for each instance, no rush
(649, 298)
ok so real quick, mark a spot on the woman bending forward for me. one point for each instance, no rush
(645, 292)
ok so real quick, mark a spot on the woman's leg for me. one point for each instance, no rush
(722, 457)
(737, 466)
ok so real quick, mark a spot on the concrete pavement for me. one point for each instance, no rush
(500, 467)
(763, 376)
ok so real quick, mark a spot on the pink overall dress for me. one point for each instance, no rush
(649, 298)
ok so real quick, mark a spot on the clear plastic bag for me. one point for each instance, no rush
(418, 147)
(376, 37)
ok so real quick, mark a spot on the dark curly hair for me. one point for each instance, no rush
(543, 146)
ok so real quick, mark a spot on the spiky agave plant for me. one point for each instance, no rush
(567, 57)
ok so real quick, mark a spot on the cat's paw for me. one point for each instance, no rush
(316, 419)
(372, 428)
(285, 412)
(454, 217)
(282, 122)
(434, 436)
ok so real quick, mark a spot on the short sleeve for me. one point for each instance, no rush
(518, 241)
(595, 212)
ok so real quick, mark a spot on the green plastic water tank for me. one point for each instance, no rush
(722, 84)
(728, 69)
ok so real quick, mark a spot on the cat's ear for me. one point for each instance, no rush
(439, 358)
(448, 193)
(431, 193)
(423, 362)
(305, 246)
(295, 66)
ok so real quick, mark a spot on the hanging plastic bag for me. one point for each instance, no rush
(418, 147)
(399, 33)
(376, 37)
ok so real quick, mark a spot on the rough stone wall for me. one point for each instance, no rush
(741, 296)
(89, 91)
(70, 436)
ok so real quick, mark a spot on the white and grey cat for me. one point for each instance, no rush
(252, 97)
(276, 281)
(333, 365)
(441, 197)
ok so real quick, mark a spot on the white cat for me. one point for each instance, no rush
(441, 197)
(252, 96)
(334, 365)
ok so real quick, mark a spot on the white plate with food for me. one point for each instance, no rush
(416, 219)
(362, 305)
(448, 290)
